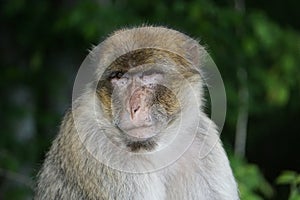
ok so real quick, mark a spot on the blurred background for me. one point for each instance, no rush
(255, 44)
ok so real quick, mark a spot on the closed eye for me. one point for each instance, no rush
(116, 74)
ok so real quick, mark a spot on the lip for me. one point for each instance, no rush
(138, 127)
(140, 133)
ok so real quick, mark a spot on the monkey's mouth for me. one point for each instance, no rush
(137, 144)
(141, 133)
(140, 138)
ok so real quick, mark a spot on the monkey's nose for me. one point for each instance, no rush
(133, 111)
(139, 106)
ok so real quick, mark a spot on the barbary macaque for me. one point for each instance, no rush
(137, 129)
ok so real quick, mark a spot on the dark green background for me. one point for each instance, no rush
(44, 42)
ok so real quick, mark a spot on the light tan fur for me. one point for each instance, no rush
(72, 169)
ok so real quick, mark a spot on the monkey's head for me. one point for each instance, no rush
(147, 78)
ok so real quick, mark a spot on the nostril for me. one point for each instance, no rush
(136, 109)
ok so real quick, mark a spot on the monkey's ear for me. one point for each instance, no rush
(195, 53)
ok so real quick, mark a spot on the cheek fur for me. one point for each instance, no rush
(167, 99)
(104, 95)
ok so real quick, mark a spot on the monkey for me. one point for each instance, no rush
(136, 130)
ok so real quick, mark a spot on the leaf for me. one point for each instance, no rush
(295, 195)
(297, 181)
(287, 177)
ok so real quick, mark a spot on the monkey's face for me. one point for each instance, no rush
(139, 96)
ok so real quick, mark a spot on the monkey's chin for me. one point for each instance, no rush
(141, 139)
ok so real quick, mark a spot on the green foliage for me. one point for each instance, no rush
(251, 182)
(293, 179)
(280, 49)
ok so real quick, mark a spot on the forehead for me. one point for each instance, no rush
(147, 56)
